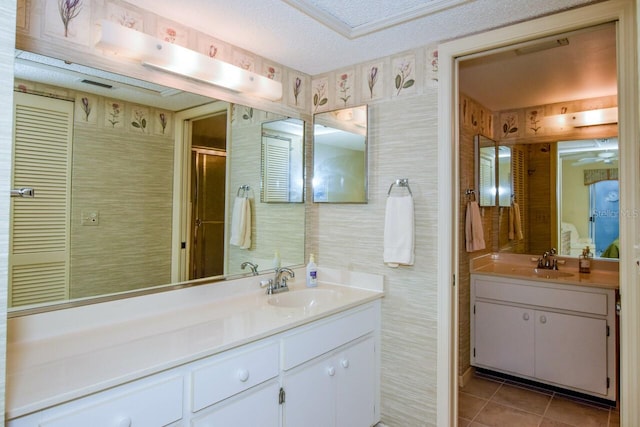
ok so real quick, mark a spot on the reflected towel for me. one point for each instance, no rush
(241, 223)
(515, 223)
(398, 231)
(474, 234)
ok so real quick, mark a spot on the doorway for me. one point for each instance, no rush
(450, 192)
(208, 184)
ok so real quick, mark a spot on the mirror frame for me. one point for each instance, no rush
(348, 113)
(481, 143)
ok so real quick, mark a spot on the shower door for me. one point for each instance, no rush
(605, 212)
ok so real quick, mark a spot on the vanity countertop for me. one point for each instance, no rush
(604, 273)
(51, 367)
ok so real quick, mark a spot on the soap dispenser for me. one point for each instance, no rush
(584, 263)
(312, 272)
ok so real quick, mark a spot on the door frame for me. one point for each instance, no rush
(180, 230)
(622, 11)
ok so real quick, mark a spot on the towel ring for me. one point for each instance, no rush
(403, 182)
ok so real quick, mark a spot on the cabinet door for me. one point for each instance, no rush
(310, 394)
(356, 385)
(572, 351)
(503, 338)
(255, 407)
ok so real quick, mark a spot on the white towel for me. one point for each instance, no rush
(474, 234)
(398, 231)
(241, 223)
(515, 223)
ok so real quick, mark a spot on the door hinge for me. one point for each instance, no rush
(281, 396)
(454, 280)
(608, 382)
(474, 309)
(608, 331)
(474, 352)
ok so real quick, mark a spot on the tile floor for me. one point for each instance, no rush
(498, 403)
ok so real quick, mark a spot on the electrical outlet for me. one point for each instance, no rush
(90, 217)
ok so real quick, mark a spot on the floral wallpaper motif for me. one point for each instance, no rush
(272, 72)
(372, 81)
(295, 90)
(86, 106)
(113, 112)
(69, 20)
(509, 124)
(125, 17)
(213, 48)
(432, 64)
(344, 88)
(172, 33)
(162, 125)
(139, 118)
(534, 121)
(320, 97)
(404, 74)
(244, 61)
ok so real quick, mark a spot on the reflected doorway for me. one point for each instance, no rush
(208, 183)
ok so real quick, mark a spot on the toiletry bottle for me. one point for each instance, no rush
(276, 260)
(312, 273)
(585, 261)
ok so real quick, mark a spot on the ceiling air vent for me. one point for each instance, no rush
(92, 82)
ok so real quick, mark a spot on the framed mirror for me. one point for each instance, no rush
(486, 155)
(131, 216)
(282, 161)
(340, 156)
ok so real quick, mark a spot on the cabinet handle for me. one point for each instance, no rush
(123, 422)
(331, 371)
(243, 374)
(543, 319)
(525, 316)
(345, 363)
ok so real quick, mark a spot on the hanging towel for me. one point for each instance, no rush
(515, 223)
(241, 223)
(474, 234)
(398, 231)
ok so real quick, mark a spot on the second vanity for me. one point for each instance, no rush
(556, 327)
(220, 354)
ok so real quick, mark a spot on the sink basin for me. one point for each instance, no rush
(550, 274)
(304, 298)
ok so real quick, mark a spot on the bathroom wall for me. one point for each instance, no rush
(7, 20)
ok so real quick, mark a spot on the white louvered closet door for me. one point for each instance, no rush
(38, 241)
(275, 161)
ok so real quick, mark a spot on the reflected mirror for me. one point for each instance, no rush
(486, 170)
(340, 156)
(115, 209)
(282, 162)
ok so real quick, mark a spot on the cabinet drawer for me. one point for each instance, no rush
(157, 404)
(233, 373)
(322, 338)
(563, 299)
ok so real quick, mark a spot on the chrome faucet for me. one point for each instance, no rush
(279, 282)
(548, 260)
(252, 266)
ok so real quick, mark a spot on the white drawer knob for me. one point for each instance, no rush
(525, 316)
(123, 422)
(331, 371)
(345, 363)
(543, 319)
(243, 374)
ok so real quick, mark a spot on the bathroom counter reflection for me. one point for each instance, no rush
(340, 156)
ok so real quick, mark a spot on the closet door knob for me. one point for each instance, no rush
(543, 319)
(331, 371)
(345, 363)
(123, 422)
(525, 316)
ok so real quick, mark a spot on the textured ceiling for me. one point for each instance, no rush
(283, 33)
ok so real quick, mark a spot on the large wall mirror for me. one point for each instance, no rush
(568, 197)
(340, 156)
(113, 213)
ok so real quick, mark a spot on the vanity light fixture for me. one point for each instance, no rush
(601, 116)
(175, 59)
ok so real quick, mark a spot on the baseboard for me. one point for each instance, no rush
(464, 379)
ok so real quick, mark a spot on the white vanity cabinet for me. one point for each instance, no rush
(330, 373)
(563, 335)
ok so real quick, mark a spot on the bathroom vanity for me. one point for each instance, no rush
(306, 357)
(556, 327)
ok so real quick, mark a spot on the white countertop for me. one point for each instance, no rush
(57, 356)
